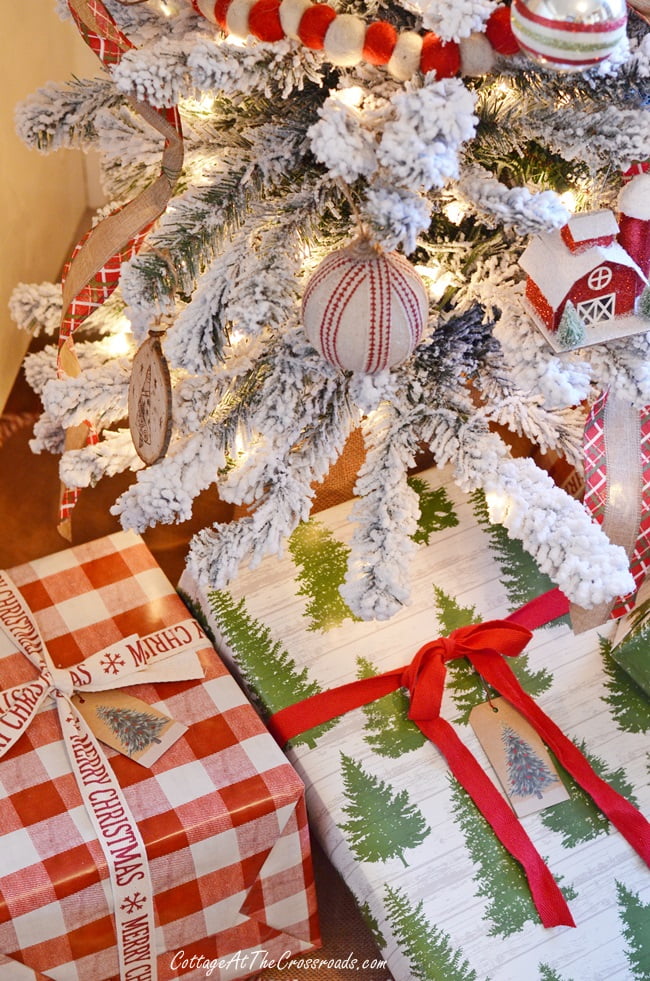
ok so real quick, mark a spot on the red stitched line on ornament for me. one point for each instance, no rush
(337, 305)
(408, 299)
(375, 313)
(382, 332)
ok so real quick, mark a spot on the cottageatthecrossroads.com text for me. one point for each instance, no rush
(259, 960)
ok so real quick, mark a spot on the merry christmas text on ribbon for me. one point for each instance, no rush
(127, 662)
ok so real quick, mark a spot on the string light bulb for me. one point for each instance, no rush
(498, 505)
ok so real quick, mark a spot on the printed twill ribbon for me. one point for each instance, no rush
(483, 645)
(93, 271)
(125, 855)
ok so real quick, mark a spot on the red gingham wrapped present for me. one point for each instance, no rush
(221, 813)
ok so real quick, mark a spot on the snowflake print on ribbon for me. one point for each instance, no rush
(133, 903)
(112, 663)
(73, 720)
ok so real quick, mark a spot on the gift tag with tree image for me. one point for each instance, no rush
(519, 757)
(128, 724)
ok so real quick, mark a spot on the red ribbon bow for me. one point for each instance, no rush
(483, 644)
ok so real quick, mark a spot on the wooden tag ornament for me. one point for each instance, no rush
(150, 400)
(364, 309)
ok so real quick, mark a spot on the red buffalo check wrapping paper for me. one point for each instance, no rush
(221, 813)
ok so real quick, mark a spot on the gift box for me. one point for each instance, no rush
(441, 894)
(216, 826)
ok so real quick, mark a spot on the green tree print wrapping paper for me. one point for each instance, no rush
(444, 898)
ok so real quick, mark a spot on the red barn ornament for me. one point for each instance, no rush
(584, 282)
(364, 309)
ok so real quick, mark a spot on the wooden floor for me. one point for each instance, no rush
(28, 512)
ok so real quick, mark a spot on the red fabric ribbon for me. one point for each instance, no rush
(484, 645)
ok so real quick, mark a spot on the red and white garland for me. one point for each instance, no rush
(347, 40)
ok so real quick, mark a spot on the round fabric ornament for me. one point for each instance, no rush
(364, 309)
(568, 35)
(314, 24)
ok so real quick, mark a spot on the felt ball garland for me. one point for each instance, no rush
(347, 40)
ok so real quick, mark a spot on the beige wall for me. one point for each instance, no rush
(42, 197)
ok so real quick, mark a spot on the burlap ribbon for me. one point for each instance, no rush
(94, 268)
(102, 795)
(642, 7)
(616, 449)
(484, 646)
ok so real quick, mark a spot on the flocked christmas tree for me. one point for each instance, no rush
(419, 131)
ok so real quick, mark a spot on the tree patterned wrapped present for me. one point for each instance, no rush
(441, 894)
(221, 812)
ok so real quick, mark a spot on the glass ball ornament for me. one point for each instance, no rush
(568, 35)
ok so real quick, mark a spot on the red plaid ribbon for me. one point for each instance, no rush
(484, 646)
(93, 271)
(608, 491)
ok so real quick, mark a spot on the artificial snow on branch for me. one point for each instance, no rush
(289, 157)
(526, 416)
(99, 393)
(216, 554)
(299, 395)
(111, 455)
(165, 492)
(515, 207)
(624, 366)
(455, 21)
(36, 307)
(552, 526)
(385, 515)
(534, 367)
(419, 146)
(395, 217)
(64, 115)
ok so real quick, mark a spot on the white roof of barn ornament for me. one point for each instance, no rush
(554, 268)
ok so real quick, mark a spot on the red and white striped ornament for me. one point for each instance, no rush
(363, 309)
(568, 35)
